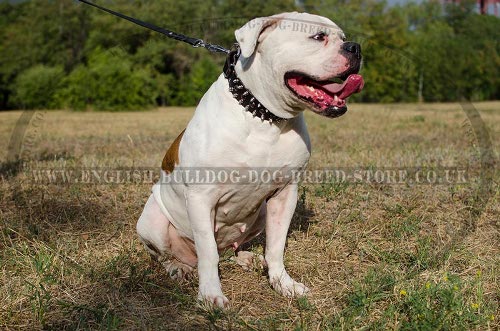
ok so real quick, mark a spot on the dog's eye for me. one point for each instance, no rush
(320, 36)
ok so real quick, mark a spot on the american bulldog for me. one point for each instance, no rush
(250, 118)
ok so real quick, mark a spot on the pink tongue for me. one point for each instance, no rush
(353, 84)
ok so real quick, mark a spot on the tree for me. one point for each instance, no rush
(108, 82)
(36, 87)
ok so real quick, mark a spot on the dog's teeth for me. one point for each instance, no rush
(310, 88)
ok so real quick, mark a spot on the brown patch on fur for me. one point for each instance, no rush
(171, 158)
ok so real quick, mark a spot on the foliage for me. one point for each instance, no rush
(35, 88)
(202, 75)
(108, 82)
(416, 51)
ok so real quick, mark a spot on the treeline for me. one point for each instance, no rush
(64, 54)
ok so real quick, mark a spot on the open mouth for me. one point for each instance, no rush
(327, 97)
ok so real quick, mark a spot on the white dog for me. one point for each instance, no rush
(250, 118)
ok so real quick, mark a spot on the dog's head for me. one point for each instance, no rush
(308, 54)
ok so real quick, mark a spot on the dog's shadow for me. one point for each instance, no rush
(301, 221)
(302, 218)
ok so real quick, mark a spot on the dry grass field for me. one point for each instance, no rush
(376, 256)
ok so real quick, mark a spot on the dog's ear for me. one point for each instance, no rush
(250, 34)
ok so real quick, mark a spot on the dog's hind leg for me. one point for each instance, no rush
(164, 244)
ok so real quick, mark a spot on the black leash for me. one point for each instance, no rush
(236, 87)
(177, 36)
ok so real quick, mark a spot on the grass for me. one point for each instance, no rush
(404, 257)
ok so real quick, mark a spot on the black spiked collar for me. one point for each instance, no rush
(242, 94)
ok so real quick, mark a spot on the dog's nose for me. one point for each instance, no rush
(352, 47)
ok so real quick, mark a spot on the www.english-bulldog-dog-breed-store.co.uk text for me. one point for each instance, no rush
(251, 117)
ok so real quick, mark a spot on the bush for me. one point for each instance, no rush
(36, 87)
(108, 82)
(203, 73)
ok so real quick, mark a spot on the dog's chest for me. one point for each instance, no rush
(262, 165)
(289, 150)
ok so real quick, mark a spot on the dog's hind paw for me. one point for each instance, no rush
(248, 260)
(177, 270)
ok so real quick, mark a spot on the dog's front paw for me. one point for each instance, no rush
(213, 296)
(285, 285)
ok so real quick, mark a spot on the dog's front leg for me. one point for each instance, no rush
(280, 209)
(201, 214)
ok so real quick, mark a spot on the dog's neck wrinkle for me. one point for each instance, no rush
(243, 95)
(246, 62)
(250, 73)
(255, 125)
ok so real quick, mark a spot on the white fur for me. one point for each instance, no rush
(222, 134)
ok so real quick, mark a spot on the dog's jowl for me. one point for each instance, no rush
(248, 121)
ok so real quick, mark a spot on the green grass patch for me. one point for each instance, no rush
(383, 300)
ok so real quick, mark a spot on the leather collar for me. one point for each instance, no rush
(242, 94)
